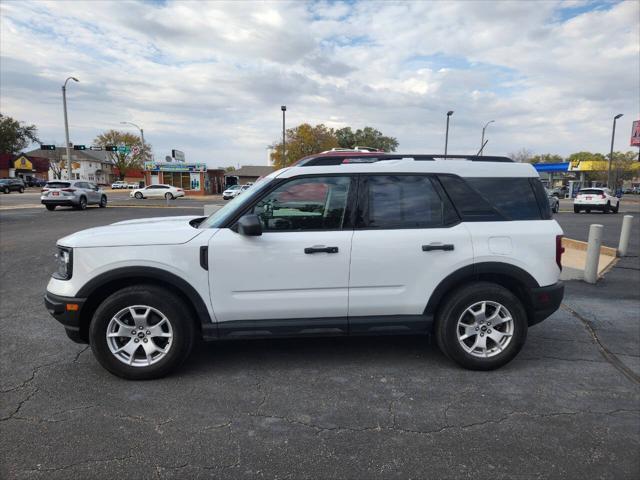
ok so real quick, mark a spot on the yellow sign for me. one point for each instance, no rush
(595, 166)
(22, 163)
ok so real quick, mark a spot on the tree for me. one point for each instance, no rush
(521, 156)
(15, 136)
(546, 158)
(228, 169)
(367, 137)
(622, 166)
(123, 160)
(301, 141)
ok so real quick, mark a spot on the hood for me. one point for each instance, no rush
(144, 231)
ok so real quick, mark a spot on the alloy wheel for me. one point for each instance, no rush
(485, 329)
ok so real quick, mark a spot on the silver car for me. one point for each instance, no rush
(554, 202)
(72, 193)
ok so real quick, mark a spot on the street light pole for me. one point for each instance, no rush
(613, 135)
(141, 135)
(66, 123)
(482, 141)
(446, 137)
(284, 151)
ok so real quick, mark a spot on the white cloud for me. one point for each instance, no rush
(209, 78)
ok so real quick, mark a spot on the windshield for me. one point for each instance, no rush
(219, 217)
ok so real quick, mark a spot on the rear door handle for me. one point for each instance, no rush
(447, 247)
(310, 250)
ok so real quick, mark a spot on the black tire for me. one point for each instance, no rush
(5, 191)
(453, 308)
(51, 208)
(607, 208)
(616, 209)
(103, 201)
(21, 189)
(556, 207)
(82, 204)
(588, 210)
(168, 196)
(138, 195)
(171, 306)
(576, 209)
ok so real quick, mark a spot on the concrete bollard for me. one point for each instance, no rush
(625, 233)
(593, 253)
(210, 209)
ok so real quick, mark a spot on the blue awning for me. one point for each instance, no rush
(552, 167)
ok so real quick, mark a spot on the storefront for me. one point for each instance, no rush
(188, 176)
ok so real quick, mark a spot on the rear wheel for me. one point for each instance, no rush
(168, 196)
(103, 201)
(141, 332)
(21, 189)
(5, 190)
(607, 208)
(82, 204)
(481, 326)
(556, 207)
(576, 209)
(616, 209)
(51, 208)
(588, 210)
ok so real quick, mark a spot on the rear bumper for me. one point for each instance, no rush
(60, 201)
(63, 310)
(544, 301)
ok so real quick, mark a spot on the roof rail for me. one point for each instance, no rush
(325, 160)
(354, 149)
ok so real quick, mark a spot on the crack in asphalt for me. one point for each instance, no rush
(77, 464)
(604, 351)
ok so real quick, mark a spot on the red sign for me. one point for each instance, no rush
(635, 134)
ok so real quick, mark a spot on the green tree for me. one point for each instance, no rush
(624, 166)
(366, 137)
(546, 158)
(123, 160)
(15, 136)
(301, 141)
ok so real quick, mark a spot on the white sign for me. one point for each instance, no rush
(135, 150)
(178, 155)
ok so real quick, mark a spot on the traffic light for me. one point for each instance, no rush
(111, 148)
(79, 147)
(47, 147)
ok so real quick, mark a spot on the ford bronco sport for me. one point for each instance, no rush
(342, 243)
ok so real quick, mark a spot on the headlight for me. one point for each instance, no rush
(64, 263)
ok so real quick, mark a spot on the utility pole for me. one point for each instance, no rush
(446, 137)
(482, 141)
(613, 136)
(284, 150)
(66, 123)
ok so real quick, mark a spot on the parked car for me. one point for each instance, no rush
(157, 191)
(554, 201)
(559, 192)
(8, 185)
(231, 192)
(405, 244)
(72, 193)
(35, 182)
(119, 184)
(601, 199)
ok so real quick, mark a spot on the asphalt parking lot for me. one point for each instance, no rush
(390, 407)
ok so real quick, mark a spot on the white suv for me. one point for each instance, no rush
(342, 243)
(589, 199)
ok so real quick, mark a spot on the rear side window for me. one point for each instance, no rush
(471, 206)
(401, 201)
(58, 184)
(513, 197)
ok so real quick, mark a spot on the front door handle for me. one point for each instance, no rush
(310, 250)
(447, 247)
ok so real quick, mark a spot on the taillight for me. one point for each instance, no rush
(44, 190)
(559, 251)
(179, 189)
(602, 195)
(68, 189)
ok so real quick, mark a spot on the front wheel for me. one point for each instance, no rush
(21, 189)
(556, 207)
(138, 195)
(141, 332)
(103, 201)
(5, 191)
(481, 326)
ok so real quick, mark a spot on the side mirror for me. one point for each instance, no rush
(249, 225)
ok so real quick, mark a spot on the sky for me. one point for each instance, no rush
(209, 78)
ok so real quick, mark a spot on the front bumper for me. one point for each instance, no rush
(544, 301)
(67, 310)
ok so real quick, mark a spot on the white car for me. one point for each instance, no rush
(231, 192)
(119, 184)
(157, 191)
(462, 248)
(589, 199)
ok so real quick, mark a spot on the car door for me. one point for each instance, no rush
(293, 278)
(407, 239)
(93, 192)
(152, 191)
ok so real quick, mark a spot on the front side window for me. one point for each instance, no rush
(315, 203)
(401, 201)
